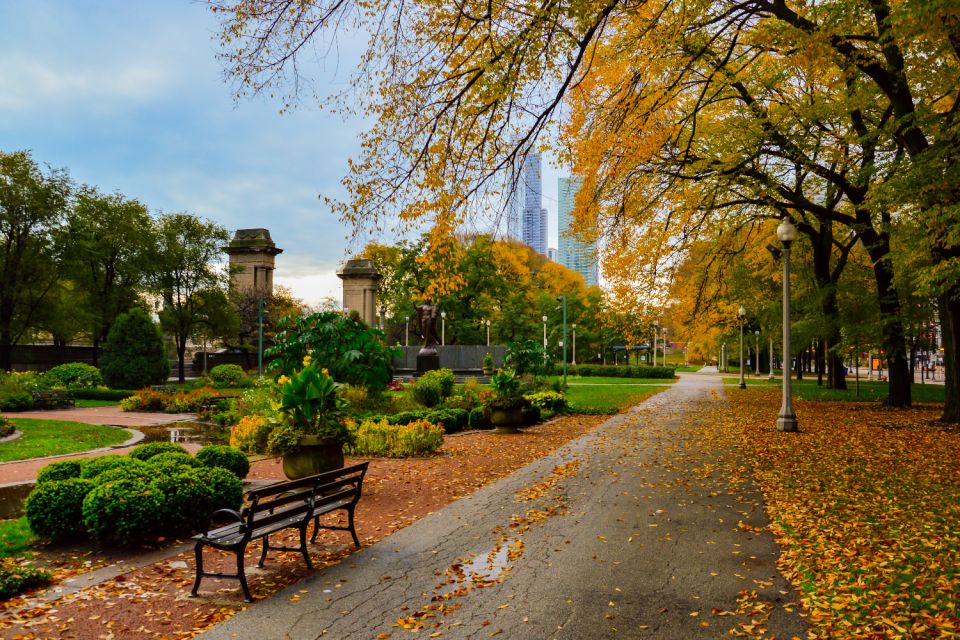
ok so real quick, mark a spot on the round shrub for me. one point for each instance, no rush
(122, 511)
(16, 577)
(229, 458)
(172, 463)
(428, 391)
(479, 419)
(140, 472)
(63, 470)
(148, 450)
(7, 427)
(134, 354)
(93, 467)
(227, 488)
(75, 374)
(186, 502)
(228, 375)
(54, 509)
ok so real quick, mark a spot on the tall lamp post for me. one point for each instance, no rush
(663, 346)
(574, 326)
(787, 420)
(544, 318)
(656, 328)
(563, 300)
(488, 333)
(742, 314)
(771, 359)
(756, 352)
(443, 328)
(406, 331)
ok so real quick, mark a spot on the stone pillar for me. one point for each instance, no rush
(252, 257)
(360, 280)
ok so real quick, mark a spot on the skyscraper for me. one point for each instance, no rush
(574, 255)
(526, 217)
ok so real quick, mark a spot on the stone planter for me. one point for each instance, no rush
(506, 420)
(315, 455)
(488, 371)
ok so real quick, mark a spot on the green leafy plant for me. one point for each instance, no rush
(226, 487)
(487, 362)
(427, 391)
(523, 356)
(229, 375)
(310, 404)
(63, 470)
(186, 501)
(479, 419)
(351, 351)
(251, 433)
(122, 511)
(446, 379)
(229, 458)
(380, 438)
(548, 400)
(93, 467)
(506, 391)
(16, 577)
(75, 375)
(7, 427)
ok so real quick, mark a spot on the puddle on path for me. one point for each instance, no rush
(200, 433)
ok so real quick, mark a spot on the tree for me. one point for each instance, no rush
(32, 208)
(185, 277)
(107, 244)
(134, 355)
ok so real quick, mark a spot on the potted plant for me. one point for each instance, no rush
(487, 364)
(504, 401)
(310, 433)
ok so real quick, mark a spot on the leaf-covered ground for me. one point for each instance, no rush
(865, 503)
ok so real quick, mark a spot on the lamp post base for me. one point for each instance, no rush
(742, 385)
(787, 423)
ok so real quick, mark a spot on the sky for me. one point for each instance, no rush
(130, 97)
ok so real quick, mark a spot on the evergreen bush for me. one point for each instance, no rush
(122, 512)
(227, 488)
(479, 419)
(229, 458)
(229, 375)
(93, 467)
(54, 509)
(16, 577)
(134, 354)
(446, 379)
(147, 450)
(428, 391)
(186, 501)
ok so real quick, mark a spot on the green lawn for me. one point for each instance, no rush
(870, 391)
(86, 404)
(609, 398)
(54, 437)
(15, 537)
(604, 380)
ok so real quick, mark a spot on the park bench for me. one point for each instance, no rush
(50, 398)
(211, 404)
(284, 505)
(163, 388)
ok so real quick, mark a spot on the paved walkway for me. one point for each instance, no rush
(26, 470)
(628, 532)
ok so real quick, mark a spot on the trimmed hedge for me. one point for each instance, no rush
(147, 450)
(665, 373)
(479, 419)
(54, 508)
(101, 394)
(63, 470)
(123, 511)
(229, 458)
(75, 374)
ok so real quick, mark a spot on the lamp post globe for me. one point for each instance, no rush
(443, 328)
(742, 314)
(406, 331)
(488, 333)
(787, 419)
(544, 318)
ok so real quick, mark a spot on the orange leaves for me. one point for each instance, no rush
(865, 503)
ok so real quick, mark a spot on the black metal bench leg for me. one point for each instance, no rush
(198, 554)
(243, 577)
(316, 529)
(303, 545)
(263, 554)
(353, 531)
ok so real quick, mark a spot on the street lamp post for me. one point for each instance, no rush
(544, 318)
(656, 329)
(771, 359)
(663, 346)
(574, 362)
(443, 328)
(756, 353)
(564, 343)
(488, 333)
(787, 420)
(742, 314)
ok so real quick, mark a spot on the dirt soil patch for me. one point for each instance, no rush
(153, 601)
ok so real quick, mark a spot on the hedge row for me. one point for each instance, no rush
(667, 373)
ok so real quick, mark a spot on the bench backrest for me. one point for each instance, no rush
(283, 499)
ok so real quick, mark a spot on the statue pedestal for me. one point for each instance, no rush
(427, 360)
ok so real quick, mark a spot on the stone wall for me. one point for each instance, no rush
(458, 357)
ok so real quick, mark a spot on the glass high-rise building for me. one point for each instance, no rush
(526, 217)
(574, 255)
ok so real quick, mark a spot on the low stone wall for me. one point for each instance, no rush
(459, 357)
(43, 357)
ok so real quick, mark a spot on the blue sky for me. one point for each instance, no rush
(129, 97)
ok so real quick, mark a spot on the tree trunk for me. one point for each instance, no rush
(819, 361)
(800, 365)
(6, 352)
(949, 311)
(96, 351)
(181, 358)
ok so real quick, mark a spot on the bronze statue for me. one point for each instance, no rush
(427, 325)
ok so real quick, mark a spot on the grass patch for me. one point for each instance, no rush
(688, 368)
(605, 399)
(54, 437)
(870, 390)
(87, 404)
(15, 537)
(604, 380)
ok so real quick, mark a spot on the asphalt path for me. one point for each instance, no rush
(633, 531)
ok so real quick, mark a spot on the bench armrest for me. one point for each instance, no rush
(230, 512)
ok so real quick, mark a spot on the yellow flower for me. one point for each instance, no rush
(325, 372)
(282, 380)
(306, 360)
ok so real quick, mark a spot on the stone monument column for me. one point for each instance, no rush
(252, 258)
(360, 280)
